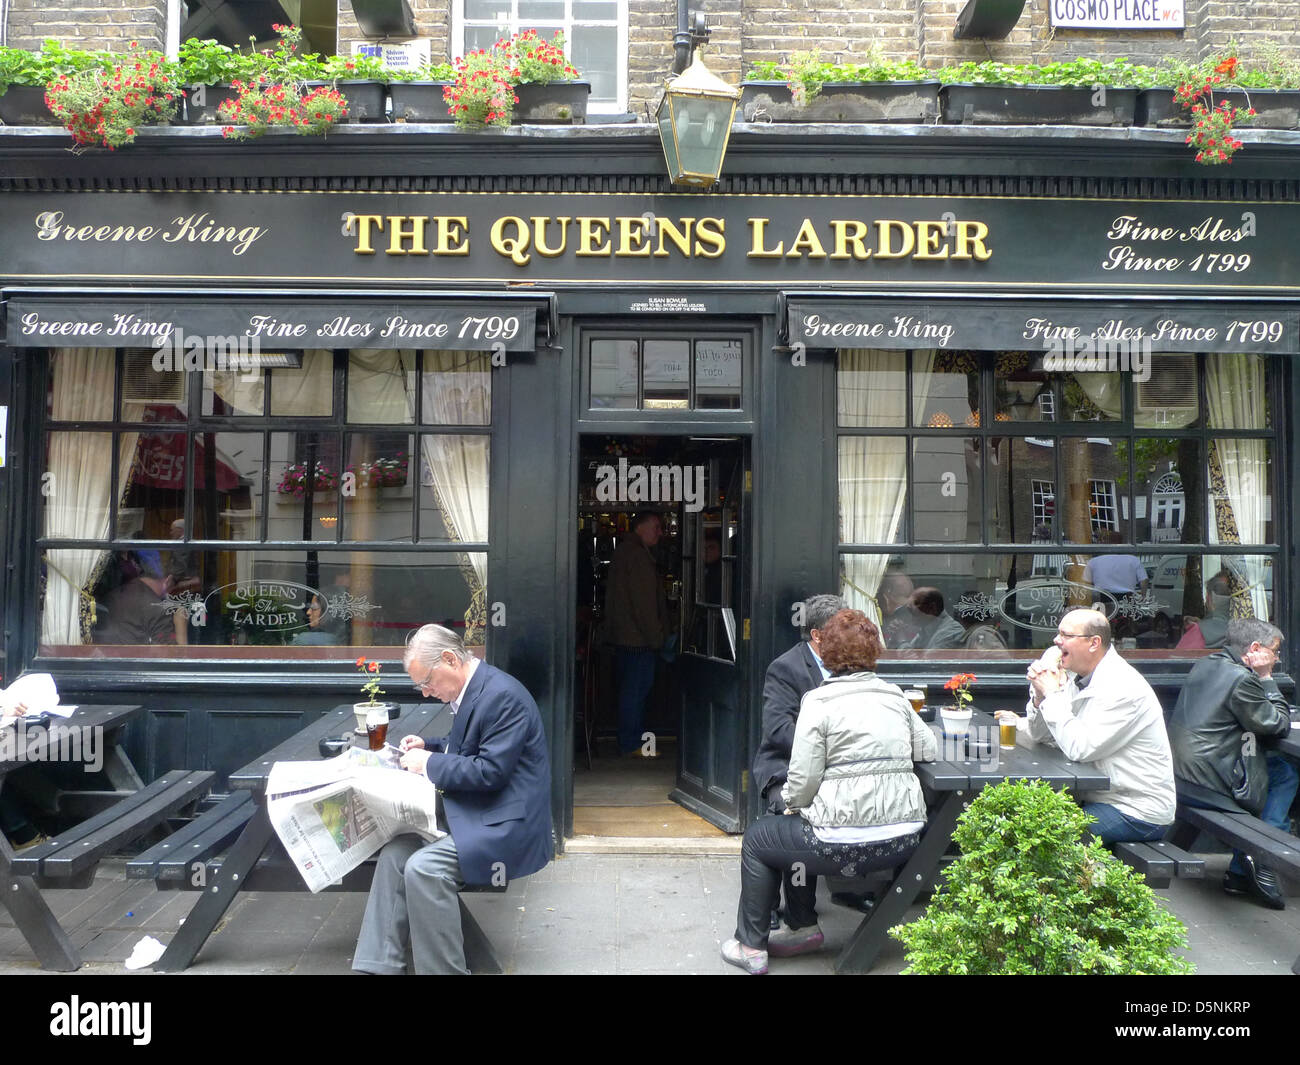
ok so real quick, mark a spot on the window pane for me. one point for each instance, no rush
(303, 507)
(254, 604)
(1090, 396)
(946, 490)
(228, 485)
(1236, 391)
(76, 483)
(226, 392)
(1167, 399)
(594, 51)
(873, 488)
(531, 11)
(307, 391)
(945, 388)
(1026, 392)
(484, 37)
(1022, 502)
(1093, 471)
(81, 385)
(454, 488)
(1241, 496)
(152, 486)
(667, 374)
(488, 10)
(1169, 494)
(381, 387)
(613, 374)
(717, 374)
(377, 494)
(595, 9)
(150, 395)
(457, 388)
(870, 388)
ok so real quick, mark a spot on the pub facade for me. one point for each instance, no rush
(269, 408)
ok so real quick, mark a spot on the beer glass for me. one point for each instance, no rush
(377, 727)
(1007, 729)
(915, 696)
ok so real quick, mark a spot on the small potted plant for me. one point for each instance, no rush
(956, 718)
(363, 82)
(482, 94)
(1270, 84)
(208, 71)
(416, 95)
(283, 93)
(108, 106)
(294, 480)
(1079, 92)
(806, 89)
(371, 689)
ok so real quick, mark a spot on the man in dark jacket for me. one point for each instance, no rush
(493, 775)
(1228, 703)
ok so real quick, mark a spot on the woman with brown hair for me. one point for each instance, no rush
(854, 804)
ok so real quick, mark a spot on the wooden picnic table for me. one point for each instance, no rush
(1288, 745)
(238, 870)
(950, 786)
(98, 728)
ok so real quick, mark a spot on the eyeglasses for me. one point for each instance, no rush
(1073, 635)
(428, 681)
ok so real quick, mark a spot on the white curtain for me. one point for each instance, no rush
(381, 387)
(307, 391)
(1235, 389)
(458, 464)
(79, 486)
(873, 470)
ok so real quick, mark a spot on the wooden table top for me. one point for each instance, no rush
(84, 717)
(429, 719)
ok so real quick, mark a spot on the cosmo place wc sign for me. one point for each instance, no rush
(1117, 14)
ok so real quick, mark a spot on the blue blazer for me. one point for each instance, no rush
(495, 776)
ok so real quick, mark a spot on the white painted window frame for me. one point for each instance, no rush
(547, 29)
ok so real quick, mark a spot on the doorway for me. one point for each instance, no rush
(691, 496)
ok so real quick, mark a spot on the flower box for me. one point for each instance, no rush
(24, 105)
(1275, 108)
(556, 102)
(418, 101)
(365, 99)
(880, 101)
(1035, 105)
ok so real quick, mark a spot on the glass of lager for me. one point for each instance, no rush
(377, 727)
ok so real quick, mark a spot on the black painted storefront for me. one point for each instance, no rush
(1040, 207)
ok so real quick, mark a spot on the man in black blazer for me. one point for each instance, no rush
(493, 774)
(789, 678)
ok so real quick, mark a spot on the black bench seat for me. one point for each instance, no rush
(174, 858)
(1160, 862)
(71, 858)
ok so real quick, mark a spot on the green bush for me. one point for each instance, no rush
(1028, 896)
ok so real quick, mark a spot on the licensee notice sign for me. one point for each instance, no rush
(1118, 14)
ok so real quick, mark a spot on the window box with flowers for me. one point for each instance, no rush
(805, 89)
(294, 480)
(520, 79)
(285, 93)
(208, 71)
(362, 80)
(24, 76)
(106, 106)
(1270, 86)
(416, 95)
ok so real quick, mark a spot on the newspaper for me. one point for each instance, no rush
(333, 815)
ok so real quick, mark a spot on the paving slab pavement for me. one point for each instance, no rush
(584, 913)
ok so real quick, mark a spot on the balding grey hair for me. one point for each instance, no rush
(426, 644)
(817, 610)
(1094, 623)
(1242, 632)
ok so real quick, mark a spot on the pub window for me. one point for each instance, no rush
(664, 372)
(596, 32)
(324, 502)
(1155, 498)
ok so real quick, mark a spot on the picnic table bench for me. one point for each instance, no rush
(69, 859)
(192, 858)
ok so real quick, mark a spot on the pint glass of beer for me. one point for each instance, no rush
(915, 696)
(1007, 728)
(377, 727)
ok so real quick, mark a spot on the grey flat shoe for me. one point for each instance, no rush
(787, 942)
(736, 953)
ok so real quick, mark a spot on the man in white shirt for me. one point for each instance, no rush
(1098, 709)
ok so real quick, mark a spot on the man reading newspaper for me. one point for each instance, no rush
(493, 777)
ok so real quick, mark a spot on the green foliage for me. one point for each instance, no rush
(430, 71)
(1084, 73)
(211, 63)
(806, 73)
(355, 68)
(1027, 896)
(21, 67)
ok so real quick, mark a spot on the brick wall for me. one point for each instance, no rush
(109, 24)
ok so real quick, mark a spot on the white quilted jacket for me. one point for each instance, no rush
(855, 740)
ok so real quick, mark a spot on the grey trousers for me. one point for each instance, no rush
(413, 898)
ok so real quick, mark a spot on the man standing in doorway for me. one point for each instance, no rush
(636, 618)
